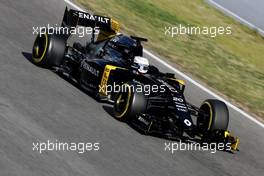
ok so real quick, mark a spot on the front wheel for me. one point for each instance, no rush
(129, 103)
(213, 115)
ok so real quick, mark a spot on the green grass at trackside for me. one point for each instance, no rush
(232, 64)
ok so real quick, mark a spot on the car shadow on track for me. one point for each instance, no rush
(28, 57)
(109, 109)
(184, 139)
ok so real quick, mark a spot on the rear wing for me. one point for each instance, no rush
(74, 18)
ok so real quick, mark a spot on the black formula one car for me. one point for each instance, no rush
(112, 69)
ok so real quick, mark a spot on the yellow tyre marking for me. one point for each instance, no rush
(37, 60)
(127, 102)
(36, 48)
(211, 115)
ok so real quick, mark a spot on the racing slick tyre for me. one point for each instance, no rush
(48, 50)
(129, 103)
(213, 116)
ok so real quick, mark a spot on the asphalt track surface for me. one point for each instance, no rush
(252, 11)
(37, 105)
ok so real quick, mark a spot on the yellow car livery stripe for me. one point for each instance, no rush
(105, 78)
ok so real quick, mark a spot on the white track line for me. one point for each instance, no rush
(188, 78)
(242, 20)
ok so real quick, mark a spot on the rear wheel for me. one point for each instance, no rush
(213, 116)
(48, 50)
(129, 103)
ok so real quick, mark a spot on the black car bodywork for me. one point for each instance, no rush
(108, 61)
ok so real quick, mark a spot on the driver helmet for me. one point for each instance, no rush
(141, 64)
